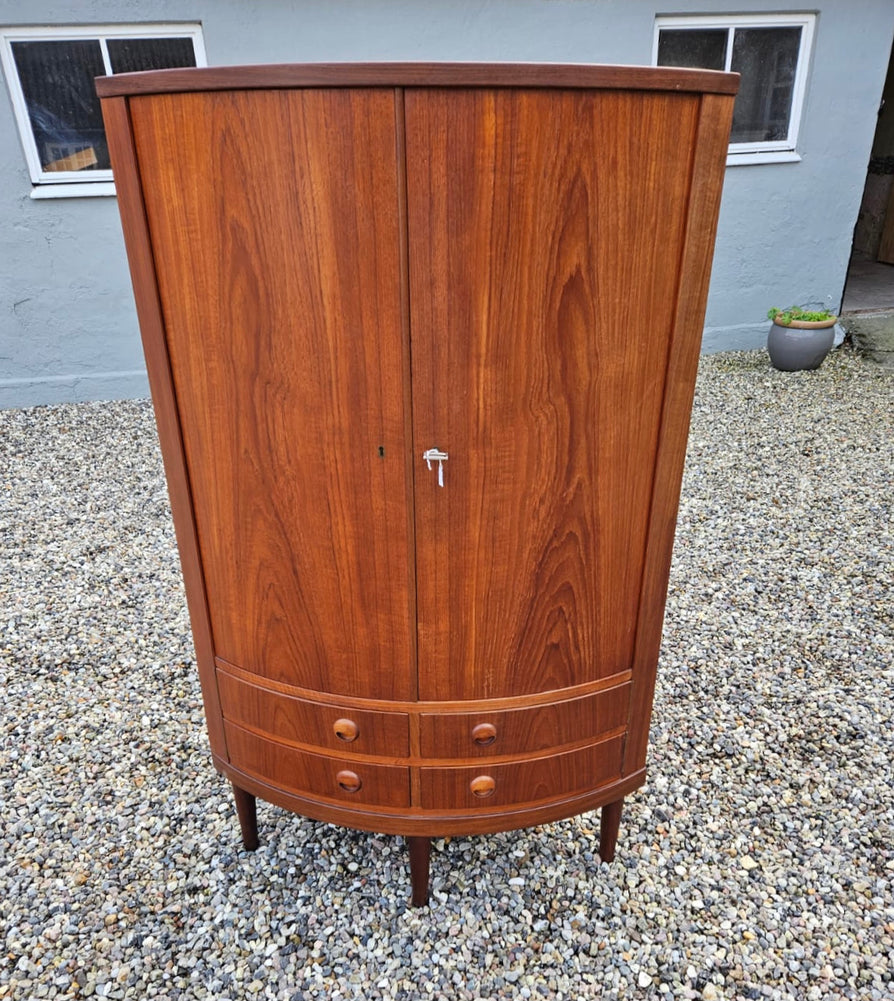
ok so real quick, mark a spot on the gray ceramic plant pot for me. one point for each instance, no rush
(801, 345)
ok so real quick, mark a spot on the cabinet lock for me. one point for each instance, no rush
(434, 455)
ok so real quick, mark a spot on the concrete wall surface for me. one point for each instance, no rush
(67, 324)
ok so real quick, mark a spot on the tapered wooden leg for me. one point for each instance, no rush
(248, 817)
(420, 853)
(609, 823)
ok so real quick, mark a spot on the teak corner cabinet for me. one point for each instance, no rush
(422, 342)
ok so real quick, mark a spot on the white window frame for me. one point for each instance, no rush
(74, 183)
(775, 151)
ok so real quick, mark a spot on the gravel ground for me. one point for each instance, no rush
(757, 862)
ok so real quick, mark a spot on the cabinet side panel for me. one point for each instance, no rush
(547, 229)
(276, 239)
(709, 162)
(142, 270)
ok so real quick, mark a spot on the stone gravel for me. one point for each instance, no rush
(757, 862)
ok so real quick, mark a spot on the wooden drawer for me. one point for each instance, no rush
(305, 773)
(515, 731)
(521, 783)
(336, 728)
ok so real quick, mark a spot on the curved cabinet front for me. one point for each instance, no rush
(422, 343)
(456, 763)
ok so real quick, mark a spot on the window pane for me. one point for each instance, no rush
(130, 55)
(66, 119)
(701, 48)
(767, 59)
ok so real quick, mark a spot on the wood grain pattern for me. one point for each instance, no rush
(492, 785)
(274, 215)
(415, 706)
(444, 735)
(306, 722)
(432, 823)
(701, 208)
(302, 771)
(549, 230)
(141, 260)
(886, 244)
(511, 266)
(209, 78)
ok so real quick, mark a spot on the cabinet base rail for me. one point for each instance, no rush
(419, 848)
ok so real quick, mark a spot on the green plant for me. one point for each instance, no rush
(785, 316)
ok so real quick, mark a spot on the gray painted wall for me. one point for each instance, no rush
(67, 324)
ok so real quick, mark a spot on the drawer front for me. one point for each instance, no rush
(335, 728)
(516, 731)
(308, 774)
(521, 783)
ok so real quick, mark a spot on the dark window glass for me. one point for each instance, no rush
(701, 48)
(57, 78)
(131, 55)
(767, 58)
(57, 82)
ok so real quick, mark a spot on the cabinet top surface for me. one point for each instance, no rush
(524, 75)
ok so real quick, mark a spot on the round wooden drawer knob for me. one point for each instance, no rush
(349, 781)
(482, 786)
(484, 734)
(346, 730)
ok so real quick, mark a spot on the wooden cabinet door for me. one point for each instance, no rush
(547, 230)
(276, 236)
